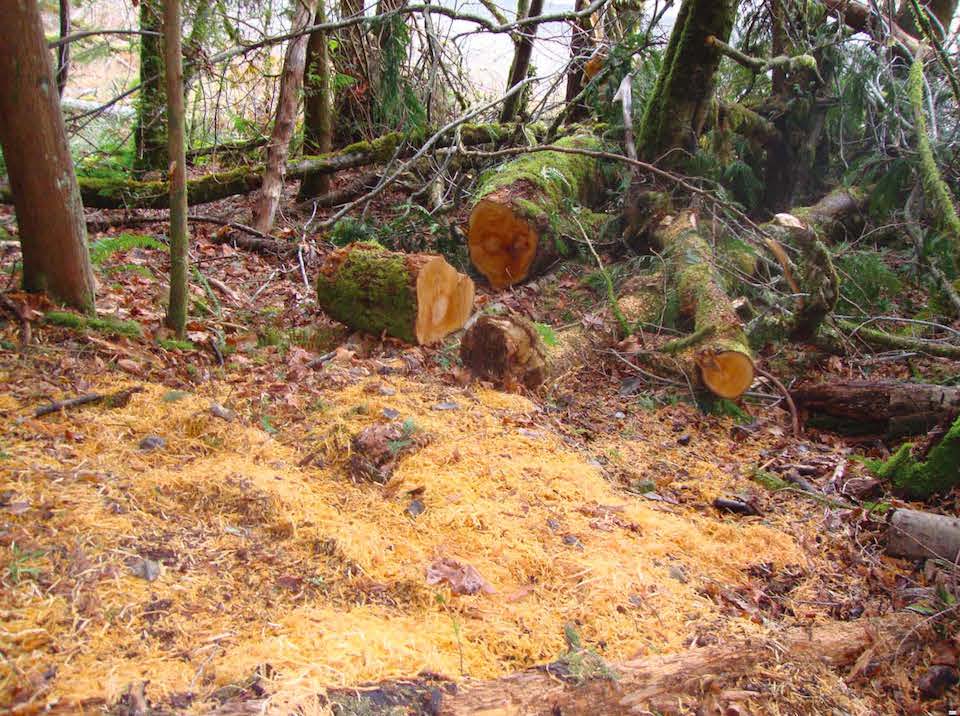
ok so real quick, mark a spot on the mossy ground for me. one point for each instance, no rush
(108, 325)
(920, 479)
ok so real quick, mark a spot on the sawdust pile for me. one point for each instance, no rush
(225, 553)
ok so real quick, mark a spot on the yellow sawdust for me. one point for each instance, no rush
(298, 568)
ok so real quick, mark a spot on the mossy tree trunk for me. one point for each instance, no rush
(150, 133)
(418, 298)
(581, 46)
(317, 106)
(522, 210)
(267, 202)
(677, 108)
(926, 468)
(179, 235)
(42, 179)
(718, 345)
(523, 48)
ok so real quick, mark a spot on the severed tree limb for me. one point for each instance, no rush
(882, 339)
(113, 400)
(759, 65)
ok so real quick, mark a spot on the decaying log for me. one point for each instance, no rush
(891, 407)
(517, 221)
(99, 193)
(720, 349)
(419, 298)
(923, 535)
(582, 684)
(928, 467)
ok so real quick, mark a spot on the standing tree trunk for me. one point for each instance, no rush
(351, 61)
(581, 44)
(317, 106)
(179, 238)
(677, 107)
(45, 191)
(265, 208)
(151, 129)
(521, 64)
(63, 52)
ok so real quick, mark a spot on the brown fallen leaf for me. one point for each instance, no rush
(129, 366)
(462, 578)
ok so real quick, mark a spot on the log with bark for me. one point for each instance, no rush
(718, 345)
(521, 210)
(923, 535)
(581, 683)
(893, 408)
(418, 298)
(98, 193)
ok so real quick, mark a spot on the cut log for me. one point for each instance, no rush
(923, 535)
(931, 466)
(870, 406)
(418, 298)
(505, 350)
(652, 684)
(516, 228)
(721, 351)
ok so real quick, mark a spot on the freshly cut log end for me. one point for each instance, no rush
(444, 300)
(506, 350)
(502, 244)
(727, 374)
(418, 298)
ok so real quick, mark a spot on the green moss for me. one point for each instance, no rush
(110, 326)
(371, 291)
(919, 480)
(103, 249)
(172, 344)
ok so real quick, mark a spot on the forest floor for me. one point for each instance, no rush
(201, 544)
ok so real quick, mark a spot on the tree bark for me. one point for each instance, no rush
(891, 407)
(150, 133)
(718, 345)
(265, 208)
(942, 10)
(675, 113)
(651, 684)
(523, 48)
(63, 52)
(517, 220)
(42, 180)
(317, 106)
(179, 236)
(418, 298)
(581, 46)
(923, 535)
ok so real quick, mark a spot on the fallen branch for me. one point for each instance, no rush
(923, 535)
(112, 400)
(890, 340)
(17, 312)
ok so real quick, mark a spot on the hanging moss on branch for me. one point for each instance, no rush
(920, 470)
(418, 298)
(517, 223)
(935, 187)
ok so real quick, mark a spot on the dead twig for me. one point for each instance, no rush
(113, 400)
(794, 418)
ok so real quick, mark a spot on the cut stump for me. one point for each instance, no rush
(515, 228)
(418, 298)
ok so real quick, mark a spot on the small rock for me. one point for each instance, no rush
(219, 411)
(937, 679)
(391, 414)
(416, 508)
(677, 572)
(146, 569)
(446, 406)
(684, 439)
(572, 541)
(387, 390)
(619, 415)
(553, 524)
(152, 442)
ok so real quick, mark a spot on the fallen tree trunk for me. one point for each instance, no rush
(131, 194)
(582, 683)
(718, 345)
(418, 298)
(923, 535)
(931, 466)
(516, 225)
(865, 406)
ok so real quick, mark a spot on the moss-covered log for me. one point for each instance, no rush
(677, 109)
(418, 298)
(926, 468)
(890, 407)
(720, 349)
(519, 213)
(129, 194)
